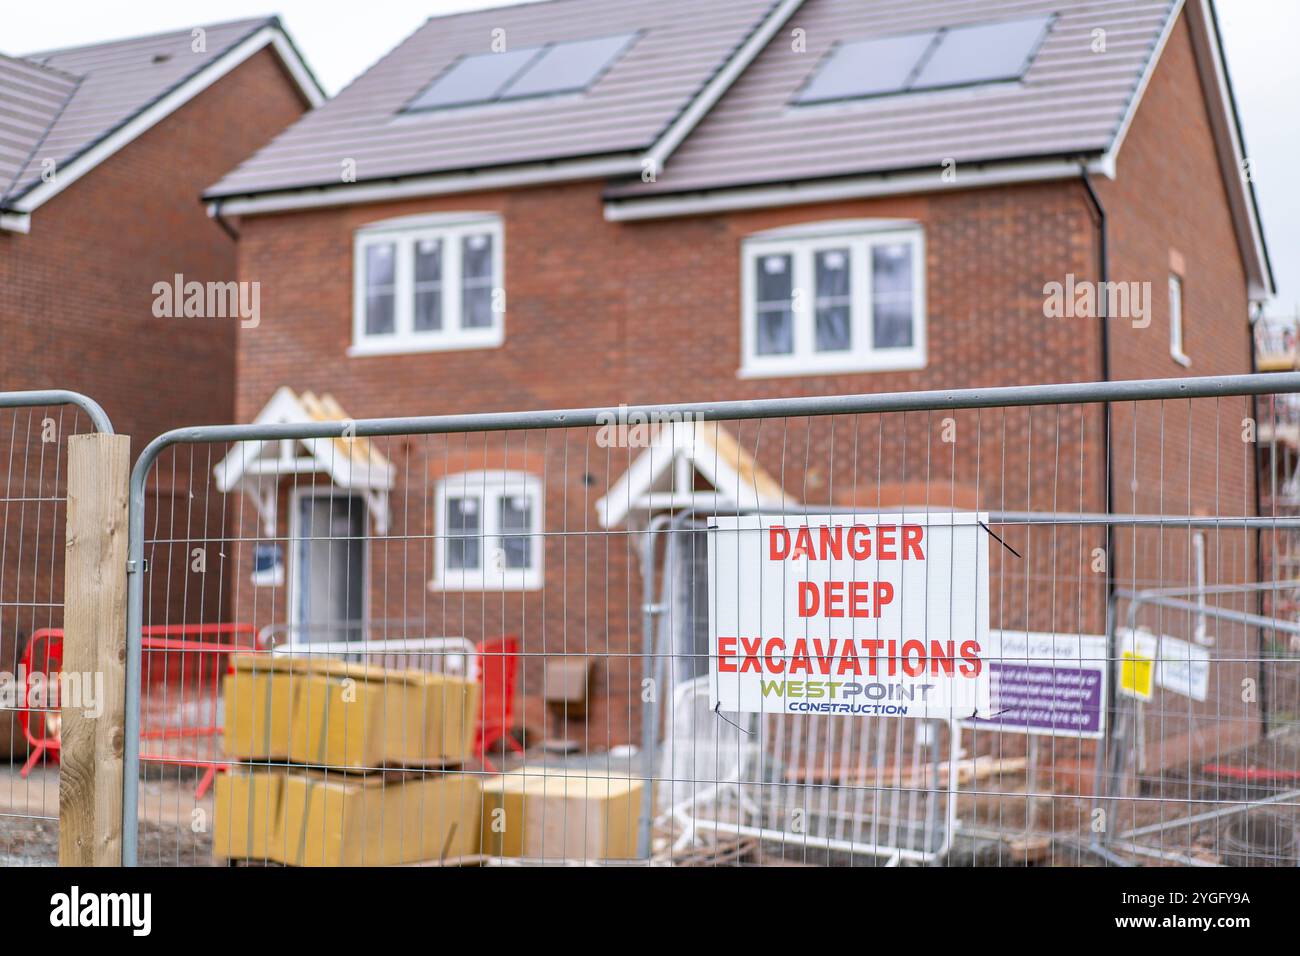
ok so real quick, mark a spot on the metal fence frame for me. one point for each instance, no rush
(1095, 393)
(99, 424)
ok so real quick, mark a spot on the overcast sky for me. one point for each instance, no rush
(340, 40)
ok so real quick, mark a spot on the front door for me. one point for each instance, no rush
(330, 567)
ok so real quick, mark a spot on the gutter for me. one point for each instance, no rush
(1103, 268)
(973, 176)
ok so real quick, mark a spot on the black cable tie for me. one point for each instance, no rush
(999, 540)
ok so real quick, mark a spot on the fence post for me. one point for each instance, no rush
(94, 652)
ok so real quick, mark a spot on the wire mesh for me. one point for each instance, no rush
(493, 643)
(34, 432)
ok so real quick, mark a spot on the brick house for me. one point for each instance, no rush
(629, 195)
(104, 151)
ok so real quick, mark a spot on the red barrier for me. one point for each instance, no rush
(183, 665)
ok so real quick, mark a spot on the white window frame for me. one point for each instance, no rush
(487, 486)
(405, 233)
(801, 244)
(1176, 320)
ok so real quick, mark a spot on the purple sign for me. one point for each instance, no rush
(1046, 684)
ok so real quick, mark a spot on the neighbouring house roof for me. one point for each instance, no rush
(79, 105)
(31, 98)
(351, 462)
(680, 54)
(663, 477)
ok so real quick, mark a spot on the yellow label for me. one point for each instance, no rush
(1136, 675)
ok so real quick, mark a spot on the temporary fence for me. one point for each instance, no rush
(34, 430)
(494, 639)
(1142, 675)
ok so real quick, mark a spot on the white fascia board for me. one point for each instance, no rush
(1232, 154)
(858, 187)
(721, 82)
(435, 185)
(164, 107)
(15, 222)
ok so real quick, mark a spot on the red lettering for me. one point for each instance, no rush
(913, 668)
(824, 656)
(941, 658)
(809, 599)
(872, 647)
(849, 661)
(970, 653)
(859, 542)
(885, 542)
(776, 655)
(884, 594)
(799, 660)
(750, 649)
(726, 651)
(834, 598)
(860, 599)
(832, 542)
(778, 540)
(803, 544)
(912, 534)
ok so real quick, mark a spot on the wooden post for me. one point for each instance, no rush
(94, 652)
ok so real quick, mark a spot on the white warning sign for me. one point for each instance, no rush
(848, 615)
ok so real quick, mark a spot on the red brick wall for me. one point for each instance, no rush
(1168, 210)
(76, 297)
(604, 313)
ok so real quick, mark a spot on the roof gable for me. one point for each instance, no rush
(685, 55)
(115, 91)
(32, 97)
(1070, 101)
(662, 476)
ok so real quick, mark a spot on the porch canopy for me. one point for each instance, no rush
(351, 463)
(688, 465)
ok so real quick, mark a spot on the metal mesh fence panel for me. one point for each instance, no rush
(34, 432)
(487, 639)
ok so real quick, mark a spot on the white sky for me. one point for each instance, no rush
(341, 39)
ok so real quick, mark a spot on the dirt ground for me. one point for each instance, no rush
(1242, 808)
(29, 827)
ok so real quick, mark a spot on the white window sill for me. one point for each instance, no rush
(367, 349)
(476, 583)
(910, 361)
(1181, 359)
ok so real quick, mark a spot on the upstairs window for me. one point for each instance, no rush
(429, 284)
(824, 300)
(489, 532)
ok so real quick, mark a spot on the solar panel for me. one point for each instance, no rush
(474, 79)
(568, 67)
(982, 53)
(867, 68)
